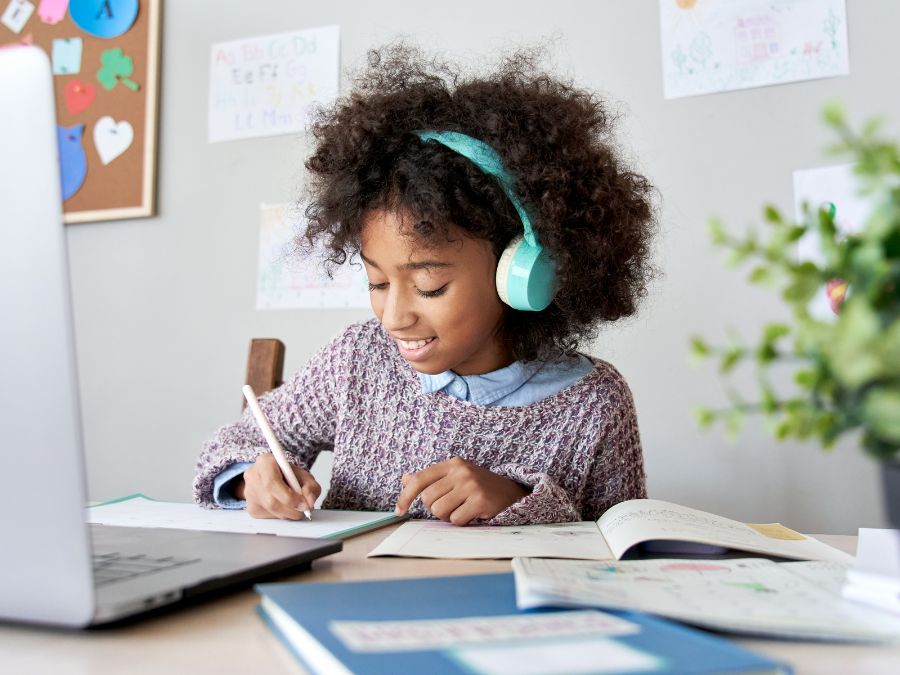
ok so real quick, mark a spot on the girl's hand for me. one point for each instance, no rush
(458, 491)
(269, 496)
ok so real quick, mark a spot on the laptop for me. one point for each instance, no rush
(55, 568)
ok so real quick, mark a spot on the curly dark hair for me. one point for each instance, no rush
(595, 217)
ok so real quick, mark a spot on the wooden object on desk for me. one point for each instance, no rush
(225, 635)
(265, 365)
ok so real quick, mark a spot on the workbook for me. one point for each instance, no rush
(662, 527)
(470, 624)
(749, 596)
(140, 511)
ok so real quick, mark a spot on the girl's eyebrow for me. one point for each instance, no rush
(413, 265)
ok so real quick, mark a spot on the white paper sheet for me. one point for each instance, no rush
(431, 634)
(140, 511)
(720, 45)
(817, 187)
(288, 281)
(559, 657)
(267, 85)
(751, 596)
(430, 539)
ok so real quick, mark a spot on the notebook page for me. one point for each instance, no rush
(139, 511)
(433, 539)
(639, 520)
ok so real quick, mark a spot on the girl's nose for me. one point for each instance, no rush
(397, 313)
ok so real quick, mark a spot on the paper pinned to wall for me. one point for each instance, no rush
(264, 86)
(721, 45)
(839, 186)
(288, 280)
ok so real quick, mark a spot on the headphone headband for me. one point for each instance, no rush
(485, 158)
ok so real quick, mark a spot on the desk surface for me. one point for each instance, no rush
(225, 635)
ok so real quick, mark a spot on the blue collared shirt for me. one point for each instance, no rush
(520, 383)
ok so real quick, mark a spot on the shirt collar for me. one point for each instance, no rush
(487, 388)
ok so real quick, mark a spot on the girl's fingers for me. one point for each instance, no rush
(447, 505)
(435, 491)
(465, 513)
(416, 483)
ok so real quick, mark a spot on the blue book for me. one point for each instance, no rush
(470, 624)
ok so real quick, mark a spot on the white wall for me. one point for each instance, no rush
(165, 306)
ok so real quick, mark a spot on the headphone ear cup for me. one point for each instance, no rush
(526, 276)
(503, 265)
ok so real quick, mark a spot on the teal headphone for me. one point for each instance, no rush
(526, 274)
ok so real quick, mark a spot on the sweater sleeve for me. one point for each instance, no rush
(303, 414)
(615, 472)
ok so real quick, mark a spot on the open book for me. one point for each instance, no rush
(670, 527)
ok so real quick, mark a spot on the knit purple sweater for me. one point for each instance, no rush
(578, 450)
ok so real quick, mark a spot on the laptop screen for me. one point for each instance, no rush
(45, 572)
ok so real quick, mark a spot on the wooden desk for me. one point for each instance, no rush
(225, 636)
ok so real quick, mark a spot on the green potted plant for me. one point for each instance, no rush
(846, 370)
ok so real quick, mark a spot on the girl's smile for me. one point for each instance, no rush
(436, 298)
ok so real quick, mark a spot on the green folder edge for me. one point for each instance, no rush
(343, 534)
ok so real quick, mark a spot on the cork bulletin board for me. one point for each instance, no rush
(105, 56)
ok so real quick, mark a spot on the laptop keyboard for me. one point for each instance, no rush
(110, 567)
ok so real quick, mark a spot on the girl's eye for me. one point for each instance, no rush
(377, 287)
(435, 293)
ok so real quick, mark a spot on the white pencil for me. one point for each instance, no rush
(274, 445)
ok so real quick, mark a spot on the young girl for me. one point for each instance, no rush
(498, 228)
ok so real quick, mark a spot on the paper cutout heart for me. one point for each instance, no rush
(112, 138)
(78, 96)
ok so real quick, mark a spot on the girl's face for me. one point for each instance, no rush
(439, 302)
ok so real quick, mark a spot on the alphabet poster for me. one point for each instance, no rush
(104, 57)
(264, 86)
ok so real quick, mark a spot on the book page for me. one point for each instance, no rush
(140, 511)
(640, 520)
(748, 595)
(434, 539)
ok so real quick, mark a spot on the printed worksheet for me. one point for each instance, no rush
(720, 45)
(747, 595)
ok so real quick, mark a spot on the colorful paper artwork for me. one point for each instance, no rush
(104, 18)
(117, 68)
(104, 56)
(269, 85)
(52, 11)
(66, 56)
(288, 280)
(78, 96)
(723, 45)
(73, 163)
(112, 138)
(16, 15)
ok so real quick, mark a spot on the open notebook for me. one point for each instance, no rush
(140, 511)
(671, 529)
